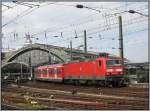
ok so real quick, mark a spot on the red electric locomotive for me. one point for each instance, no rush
(103, 71)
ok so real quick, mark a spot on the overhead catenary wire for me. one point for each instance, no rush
(126, 23)
(24, 13)
(68, 5)
(59, 31)
(74, 38)
(68, 39)
(61, 28)
(17, 17)
(50, 3)
(12, 7)
(114, 25)
(7, 6)
(25, 4)
(80, 36)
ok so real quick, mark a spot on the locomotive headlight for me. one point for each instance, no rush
(119, 70)
(110, 70)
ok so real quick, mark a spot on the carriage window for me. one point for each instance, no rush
(44, 71)
(58, 71)
(49, 71)
(99, 63)
(52, 71)
(38, 71)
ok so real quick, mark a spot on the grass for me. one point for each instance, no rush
(109, 101)
(30, 106)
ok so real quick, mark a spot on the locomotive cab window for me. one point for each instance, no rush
(113, 62)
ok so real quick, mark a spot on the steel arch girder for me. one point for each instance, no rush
(59, 53)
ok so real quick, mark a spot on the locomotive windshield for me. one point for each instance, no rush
(113, 62)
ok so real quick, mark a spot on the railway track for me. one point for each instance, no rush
(124, 91)
(81, 94)
(8, 107)
(72, 101)
(94, 98)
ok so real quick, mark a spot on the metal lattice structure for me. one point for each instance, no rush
(62, 55)
(137, 72)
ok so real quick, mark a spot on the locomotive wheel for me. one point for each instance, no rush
(76, 82)
(116, 84)
(105, 84)
(101, 83)
(88, 82)
(110, 85)
(63, 81)
(113, 84)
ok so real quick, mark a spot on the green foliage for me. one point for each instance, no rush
(126, 78)
(28, 106)
(109, 101)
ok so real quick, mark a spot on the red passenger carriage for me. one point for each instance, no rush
(50, 72)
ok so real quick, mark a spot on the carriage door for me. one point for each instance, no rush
(55, 73)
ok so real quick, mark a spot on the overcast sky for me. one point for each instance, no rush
(56, 23)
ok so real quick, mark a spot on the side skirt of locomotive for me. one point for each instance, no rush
(114, 81)
(106, 81)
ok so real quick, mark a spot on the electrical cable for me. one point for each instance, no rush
(112, 27)
(24, 13)
(56, 29)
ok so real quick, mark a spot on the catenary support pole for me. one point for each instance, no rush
(121, 41)
(71, 50)
(85, 43)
